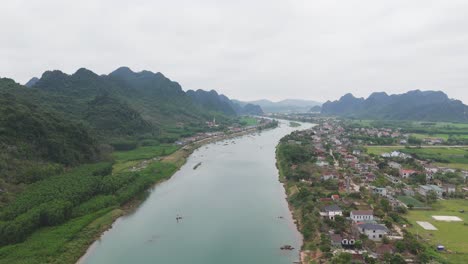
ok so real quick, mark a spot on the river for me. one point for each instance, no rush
(233, 211)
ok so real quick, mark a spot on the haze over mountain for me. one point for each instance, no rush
(413, 105)
(285, 106)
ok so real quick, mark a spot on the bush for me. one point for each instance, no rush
(124, 145)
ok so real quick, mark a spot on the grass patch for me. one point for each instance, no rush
(378, 150)
(248, 121)
(460, 166)
(450, 234)
(147, 152)
(60, 244)
(440, 154)
(294, 124)
(411, 200)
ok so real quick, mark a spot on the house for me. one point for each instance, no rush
(326, 177)
(373, 231)
(335, 197)
(408, 191)
(448, 188)
(407, 173)
(430, 171)
(394, 165)
(362, 215)
(336, 240)
(321, 163)
(331, 211)
(370, 177)
(385, 249)
(424, 189)
(380, 191)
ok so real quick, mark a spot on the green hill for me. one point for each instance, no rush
(35, 141)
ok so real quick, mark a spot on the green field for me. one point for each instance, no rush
(294, 124)
(411, 200)
(453, 235)
(377, 150)
(146, 152)
(248, 121)
(453, 157)
(441, 154)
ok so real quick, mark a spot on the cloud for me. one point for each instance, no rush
(248, 49)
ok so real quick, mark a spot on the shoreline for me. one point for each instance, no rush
(283, 182)
(179, 158)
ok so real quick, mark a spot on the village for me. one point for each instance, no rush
(364, 200)
(257, 124)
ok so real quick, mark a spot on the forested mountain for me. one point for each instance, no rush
(216, 102)
(285, 106)
(63, 120)
(413, 105)
(36, 142)
(154, 103)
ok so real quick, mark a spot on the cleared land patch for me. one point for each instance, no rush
(447, 218)
(426, 225)
(450, 234)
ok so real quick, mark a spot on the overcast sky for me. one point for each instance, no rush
(247, 49)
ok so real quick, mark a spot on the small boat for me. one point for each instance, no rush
(286, 247)
(196, 166)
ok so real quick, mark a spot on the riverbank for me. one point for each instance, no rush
(294, 211)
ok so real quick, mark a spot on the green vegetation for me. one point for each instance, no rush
(454, 157)
(451, 133)
(450, 234)
(145, 152)
(440, 154)
(294, 124)
(60, 244)
(410, 201)
(248, 121)
(378, 150)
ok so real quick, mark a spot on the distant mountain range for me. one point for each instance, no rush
(284, 106)
(413, 105)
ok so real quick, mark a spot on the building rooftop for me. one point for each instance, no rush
(362, 212)
(369, 226)
(330, 208)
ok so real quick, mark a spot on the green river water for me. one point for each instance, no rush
(230, 206)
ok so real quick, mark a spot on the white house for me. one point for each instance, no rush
(449, 188)
(362, 215)
(331, 211)
(373, 231)
(328, 177)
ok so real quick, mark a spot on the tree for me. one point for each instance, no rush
(431, 197)
(342, 258)
(385, 205)
(400, 246)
